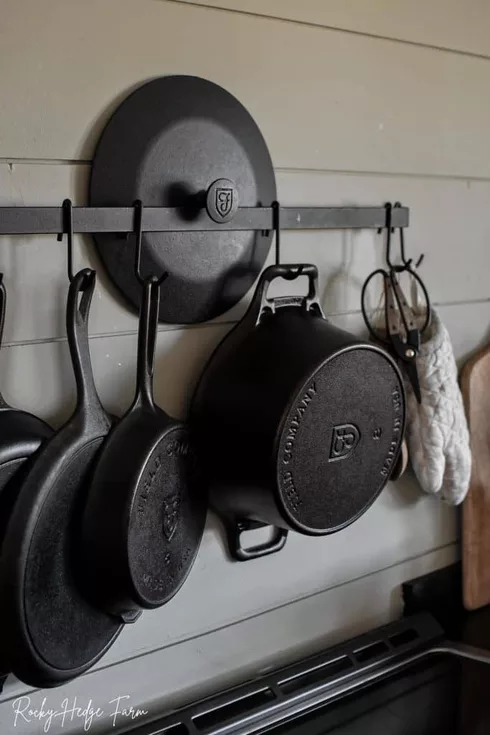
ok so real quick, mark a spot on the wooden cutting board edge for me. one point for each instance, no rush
(476, 506)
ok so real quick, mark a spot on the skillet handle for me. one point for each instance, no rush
(3, 309)
(147, 337)
(262, 305)
(77, 316)
(3, 306)
(235, 528)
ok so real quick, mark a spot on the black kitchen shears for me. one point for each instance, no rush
(403, 325)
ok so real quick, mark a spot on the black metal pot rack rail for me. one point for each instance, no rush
(50, 220)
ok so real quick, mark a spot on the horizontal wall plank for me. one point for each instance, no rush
(39, 377)
(451, 24)
(468, 326)
(323, 99)
(448, 222)
(164, 679)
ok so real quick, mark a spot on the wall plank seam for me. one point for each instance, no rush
(336, 29)
(209, 325)
(300, 170)
(12, 162)
(235, 621)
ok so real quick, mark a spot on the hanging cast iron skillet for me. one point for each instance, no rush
(298, 423)
(145, 513)
(21, 435)
(166, 144)
(53, 633)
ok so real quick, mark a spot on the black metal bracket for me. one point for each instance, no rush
(51, 220)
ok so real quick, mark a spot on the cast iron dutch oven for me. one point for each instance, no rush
(298, 423)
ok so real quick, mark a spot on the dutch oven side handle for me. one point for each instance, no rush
(261, 304)
(234, 530)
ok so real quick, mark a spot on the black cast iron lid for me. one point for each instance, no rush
(166, 144)
(340, 439)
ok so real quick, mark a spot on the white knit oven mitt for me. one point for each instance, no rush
(437, 432)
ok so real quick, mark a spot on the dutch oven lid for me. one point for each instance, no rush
(166, 144)
(339, 440)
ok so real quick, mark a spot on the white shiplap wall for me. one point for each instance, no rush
(359, 103)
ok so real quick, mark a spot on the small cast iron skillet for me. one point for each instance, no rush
(21, 435)
(145, 512)
(54, 634)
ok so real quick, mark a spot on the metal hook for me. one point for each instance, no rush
(276, 209)
(389, 230)
(407, 264)
(402, 242)
(68, 230)
(138, 229)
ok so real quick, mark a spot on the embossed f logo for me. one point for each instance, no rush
(224, 201)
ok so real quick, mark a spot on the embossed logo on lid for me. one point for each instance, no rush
(345, 439)
(224, 201)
